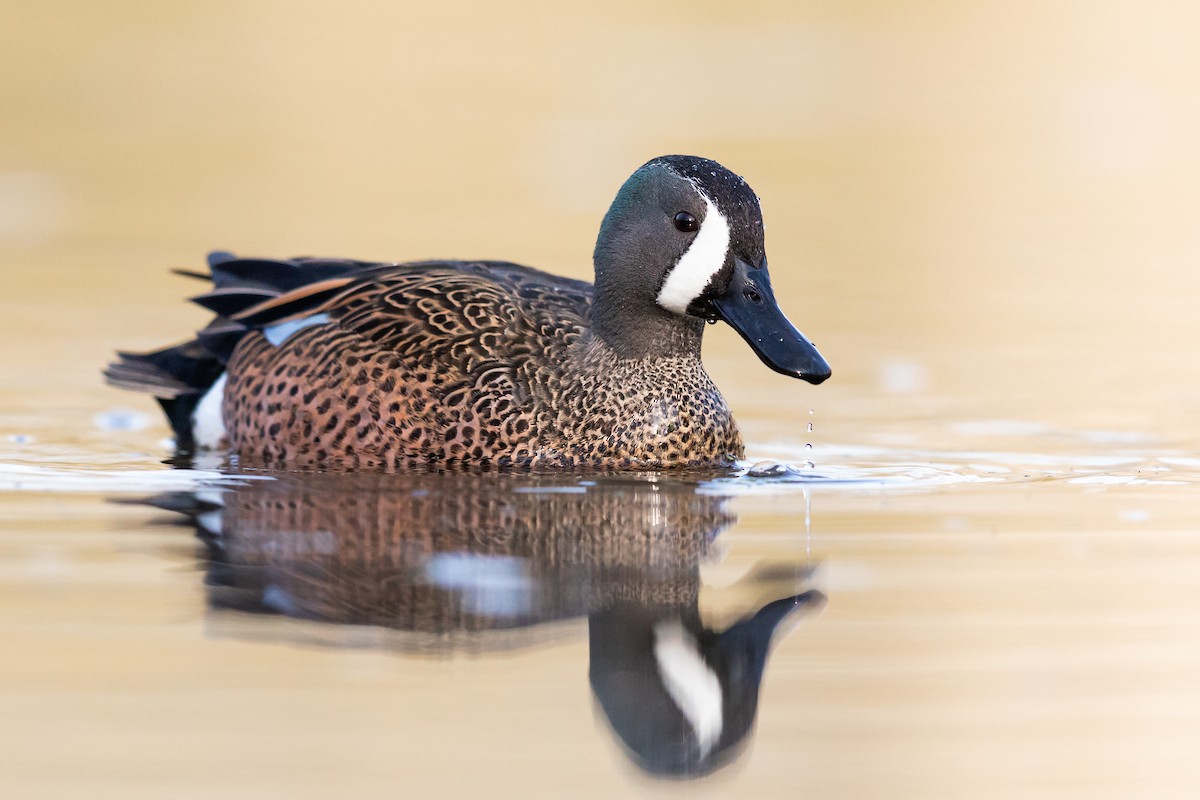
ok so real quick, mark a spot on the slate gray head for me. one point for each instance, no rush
(683, 243)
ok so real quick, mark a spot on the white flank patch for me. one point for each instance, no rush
(208, 423)
(691, 683)
(278, 334)
(699, 262)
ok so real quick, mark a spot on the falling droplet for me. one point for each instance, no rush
(809, 464)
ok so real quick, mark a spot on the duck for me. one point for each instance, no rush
(346, 364)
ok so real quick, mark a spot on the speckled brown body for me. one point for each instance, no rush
(469, 364)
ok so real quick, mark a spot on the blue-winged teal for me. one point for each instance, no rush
(338, 363)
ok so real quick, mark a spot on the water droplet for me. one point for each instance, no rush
(810, 427)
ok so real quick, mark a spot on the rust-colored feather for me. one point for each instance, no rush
(296, 303)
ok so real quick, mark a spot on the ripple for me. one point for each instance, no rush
(852, 465)
(32, 478)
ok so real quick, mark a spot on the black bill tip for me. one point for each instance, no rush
(749, 307)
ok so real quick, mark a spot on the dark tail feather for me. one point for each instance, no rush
(179, 376)
(220, 257)
(229, 301)
(221, 337)
(178, 411)
(187, 273)
(280, 276)
(131, 372)
(183, 369)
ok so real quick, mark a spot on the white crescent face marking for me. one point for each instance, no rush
(690, 682)
(696, 267)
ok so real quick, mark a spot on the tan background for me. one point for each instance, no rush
(980, 211)
(1004, 194)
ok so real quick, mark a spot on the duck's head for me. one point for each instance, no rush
(683, 243)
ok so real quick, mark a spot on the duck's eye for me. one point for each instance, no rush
(686, 222)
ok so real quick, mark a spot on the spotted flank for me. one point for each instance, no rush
(334, 363)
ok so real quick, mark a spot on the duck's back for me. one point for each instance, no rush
(431, 361)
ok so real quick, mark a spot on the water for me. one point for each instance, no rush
(1003, 617)
(988, 545)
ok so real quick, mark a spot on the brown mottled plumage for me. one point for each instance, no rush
(329, 363)
(468, 362)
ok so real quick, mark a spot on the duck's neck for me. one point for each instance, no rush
(632, 330)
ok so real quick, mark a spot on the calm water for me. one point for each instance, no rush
(983, 585)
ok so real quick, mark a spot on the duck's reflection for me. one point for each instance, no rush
(680, 696)
(479, 561)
